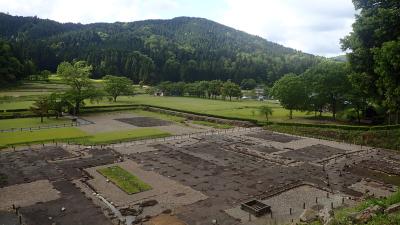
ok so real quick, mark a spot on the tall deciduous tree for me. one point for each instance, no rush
(41, 107)
(117, 86)
(327, 84)
(230, 89)
(266, 111)
(290, 91)
(77, 77)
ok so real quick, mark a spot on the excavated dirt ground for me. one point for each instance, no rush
(144, 121)
(227, 168)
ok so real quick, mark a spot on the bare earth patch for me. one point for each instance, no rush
(27, 194)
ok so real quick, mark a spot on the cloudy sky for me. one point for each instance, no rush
(313, 26)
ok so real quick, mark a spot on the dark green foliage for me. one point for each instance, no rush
(375, 54)
(291, 92)
(151, 51)
(117, 86)
(11, 69)
(248, 84)
(230, 89)
(327, 85)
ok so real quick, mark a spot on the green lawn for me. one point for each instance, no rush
(16, 105)
(124, 180)
(125, 135)
(240, 109)
(45, 135)
(31, 122)
(213, 125)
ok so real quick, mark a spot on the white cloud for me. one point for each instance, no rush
(313, 26)
(89, 11)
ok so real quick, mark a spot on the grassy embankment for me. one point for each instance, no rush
(389, 139)
(124, 180)
(344, 216)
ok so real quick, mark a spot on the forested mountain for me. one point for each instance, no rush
(179, 49)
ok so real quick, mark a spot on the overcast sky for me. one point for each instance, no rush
(313, 26)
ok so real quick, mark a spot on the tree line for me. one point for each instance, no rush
(204, 89)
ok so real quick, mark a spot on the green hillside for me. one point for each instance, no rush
(179, 49)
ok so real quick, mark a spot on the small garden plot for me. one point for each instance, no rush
(124, 180)
(312, 153)
(213, 125)
(144, 121)
(273, 137)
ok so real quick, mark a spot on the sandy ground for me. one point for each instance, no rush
(27, 194)
(165, 220)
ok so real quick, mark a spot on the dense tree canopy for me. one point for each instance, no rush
(327, 84)
(290, 91)
(374, 51)
(151, 51)
(117, 86)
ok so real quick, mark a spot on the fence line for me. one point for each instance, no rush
(132, 143)
(72, 124)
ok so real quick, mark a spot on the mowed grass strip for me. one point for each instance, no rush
(38, 136)
(124, 180)
(31, 122)
(125, 135)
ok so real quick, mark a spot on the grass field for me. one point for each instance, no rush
(124, 180)
(239, 109)
(31, 122)
(119, 136)
(213, 125)
(45, 135)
